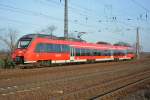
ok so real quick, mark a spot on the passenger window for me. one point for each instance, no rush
(49, 48)
(77, 52)
(65, 48)
(56, 48)
(40, 47)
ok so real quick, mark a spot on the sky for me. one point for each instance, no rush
(101, 20)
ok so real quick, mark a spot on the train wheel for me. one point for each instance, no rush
(49, 63)
(45, 63)
(116, 59)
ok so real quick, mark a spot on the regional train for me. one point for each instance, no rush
(42, 49)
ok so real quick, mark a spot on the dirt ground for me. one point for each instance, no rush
(143, 93)
(77, 82)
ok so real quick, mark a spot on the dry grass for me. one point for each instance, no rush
(143, 93)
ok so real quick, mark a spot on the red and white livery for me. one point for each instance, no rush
(33, 48)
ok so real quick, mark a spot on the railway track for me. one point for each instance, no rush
(114, 94)
(78, 94)
(53, 74)
(108, 89)
(17, 73)
(10, 89)
(80, 83)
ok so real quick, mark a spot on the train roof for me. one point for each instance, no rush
(39, 35)
(74, 43)
(78, 44)
(50, 37)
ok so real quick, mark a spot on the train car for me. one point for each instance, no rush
(38, 48)
(131, 53)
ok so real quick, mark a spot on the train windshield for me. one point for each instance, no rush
(23, 43)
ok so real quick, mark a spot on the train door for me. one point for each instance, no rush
(72, 54)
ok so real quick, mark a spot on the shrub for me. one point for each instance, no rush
(7, 63)
(1, 63)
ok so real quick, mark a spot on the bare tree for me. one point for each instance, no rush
(49, 30)
(9, 37)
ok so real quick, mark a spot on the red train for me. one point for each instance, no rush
(38, 48)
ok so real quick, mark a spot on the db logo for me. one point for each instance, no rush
(57, 55)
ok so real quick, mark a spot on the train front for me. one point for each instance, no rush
(22, 45)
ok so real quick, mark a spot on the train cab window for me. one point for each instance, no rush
(23, 43)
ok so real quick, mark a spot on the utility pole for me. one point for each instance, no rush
(137, 44)
(66, 20)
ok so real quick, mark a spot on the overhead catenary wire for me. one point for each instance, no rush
(85, 15)
(27, 12)
(73, 6)
(34, 13)
(19, 21)
(140, 5)
(23, 11)
(73, 9)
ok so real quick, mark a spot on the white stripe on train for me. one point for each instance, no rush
(82, 60)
